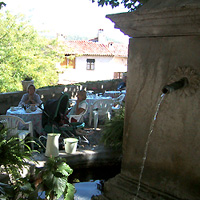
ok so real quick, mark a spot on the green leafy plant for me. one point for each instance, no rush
(27, 78)
(14, 159)
(130, 4)
(2, 4)
(113, 130)
(24, 50)
(53, 180)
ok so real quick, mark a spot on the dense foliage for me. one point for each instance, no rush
(53, 180)
(113, 130)
(50, 181)
(2, 4)
(13, 158)
(24, 52)
(130, 4)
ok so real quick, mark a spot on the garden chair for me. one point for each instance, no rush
(101, 107)
(118, 102)
(79, 118)
(15, 124)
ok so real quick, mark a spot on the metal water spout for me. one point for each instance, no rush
(175, 85)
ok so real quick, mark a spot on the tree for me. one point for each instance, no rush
(23, 52)
(2, 4)
(130, 4)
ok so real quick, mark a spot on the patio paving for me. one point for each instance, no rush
(88, 155)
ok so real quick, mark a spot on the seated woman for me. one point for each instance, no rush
(30, 97)
(79, 108)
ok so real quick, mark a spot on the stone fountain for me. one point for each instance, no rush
(164, 48)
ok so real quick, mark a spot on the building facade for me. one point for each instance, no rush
(93, 60)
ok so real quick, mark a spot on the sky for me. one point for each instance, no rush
(68, 17)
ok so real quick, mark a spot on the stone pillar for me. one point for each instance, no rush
(164, 47)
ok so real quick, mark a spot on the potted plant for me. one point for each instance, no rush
(13, 161)
(113, 130)
(52, 180)
(26, 82)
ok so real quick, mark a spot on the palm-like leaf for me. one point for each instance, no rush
(113, 130)
(13, 158)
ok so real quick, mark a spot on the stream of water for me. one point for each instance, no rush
(147, 143)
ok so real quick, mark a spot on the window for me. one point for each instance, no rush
(69, 61)
(90, 64)
(118, 75)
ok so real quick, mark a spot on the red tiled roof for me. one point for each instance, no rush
(117, 49)
(81, 47)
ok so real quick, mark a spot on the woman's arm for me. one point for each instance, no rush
(23, 100)
(36, 99)
(78, 110)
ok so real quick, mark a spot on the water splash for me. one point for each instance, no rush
(147, 143)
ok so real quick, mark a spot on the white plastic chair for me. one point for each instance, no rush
(118, 102)
(12, 123)
(100, 107)
(79, 118)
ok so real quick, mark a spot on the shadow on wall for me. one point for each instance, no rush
(53, 92)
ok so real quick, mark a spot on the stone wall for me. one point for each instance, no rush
(12, 98)
(160, 163)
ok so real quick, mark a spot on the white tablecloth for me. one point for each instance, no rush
(114, 94)
(35, 117)
(91, 101)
